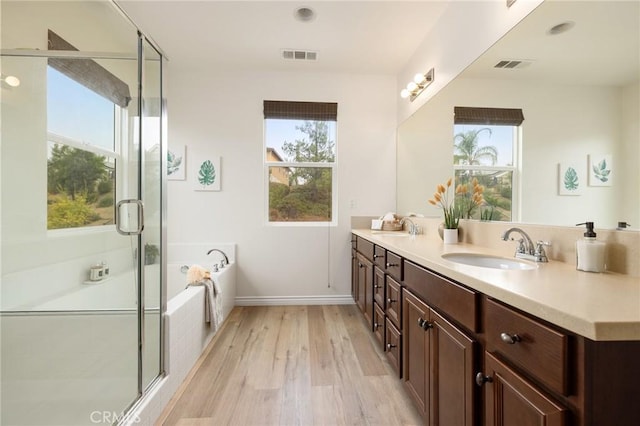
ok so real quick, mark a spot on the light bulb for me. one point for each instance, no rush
(412, 86)
(404, 93)
(12, 81)
(419, 78)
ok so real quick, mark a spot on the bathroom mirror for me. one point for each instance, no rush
(579, 93)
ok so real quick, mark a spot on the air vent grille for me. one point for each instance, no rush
(299, 55)
(513, 63)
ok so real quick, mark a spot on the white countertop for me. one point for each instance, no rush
(603, 306)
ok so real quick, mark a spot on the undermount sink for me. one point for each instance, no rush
(391, 233)
(488, 261)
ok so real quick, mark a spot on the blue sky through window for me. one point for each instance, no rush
(77, 112)
(278, 131)
(501, 137)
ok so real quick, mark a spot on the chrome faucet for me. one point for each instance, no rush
(223, 262)
(413, 228)
(526, 249)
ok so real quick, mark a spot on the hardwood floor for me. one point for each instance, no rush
(292, 365)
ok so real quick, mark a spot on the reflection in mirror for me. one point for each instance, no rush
(579, 94)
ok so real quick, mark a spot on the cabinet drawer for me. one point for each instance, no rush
(541, 352)
(392, 346)
(379, 325)
(393, 266)
(378, 286)
(379, 256)
(365, 247)
(459, 303)
(394, 302)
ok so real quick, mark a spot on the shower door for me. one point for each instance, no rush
(81, 213)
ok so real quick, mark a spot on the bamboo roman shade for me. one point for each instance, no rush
(488, 116)
(316, 111)
(88, 73)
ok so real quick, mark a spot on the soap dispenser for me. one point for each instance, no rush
(590, 252)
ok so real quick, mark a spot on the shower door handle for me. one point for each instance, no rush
(127, 228)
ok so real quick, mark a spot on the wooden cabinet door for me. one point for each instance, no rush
(511, 401)
(451, 364)
(365, 288)
(415, 349)
(354, 275)
(378, 286)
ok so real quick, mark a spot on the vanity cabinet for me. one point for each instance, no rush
(469, 359)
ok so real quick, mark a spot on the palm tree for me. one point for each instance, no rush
(467, 146)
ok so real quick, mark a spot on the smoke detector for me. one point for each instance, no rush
(299, 55)
(304, 14)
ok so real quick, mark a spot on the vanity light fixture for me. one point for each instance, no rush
(10, 80)
(417, 86)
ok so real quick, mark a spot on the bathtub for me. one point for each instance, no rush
(178, 292)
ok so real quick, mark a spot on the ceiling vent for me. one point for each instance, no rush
(299, 55)
(513, 64)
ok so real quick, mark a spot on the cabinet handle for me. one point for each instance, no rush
(424, 324)
(510, 339)
(390, 300)
(389, 265)
(481, 379)
(390, 346)
(375, 256)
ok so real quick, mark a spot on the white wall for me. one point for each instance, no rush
(218, 113)
(562, 123)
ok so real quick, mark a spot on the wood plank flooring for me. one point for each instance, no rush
(292, 365)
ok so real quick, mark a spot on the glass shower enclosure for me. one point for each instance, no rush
(83, 158)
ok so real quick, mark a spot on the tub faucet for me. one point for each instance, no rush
(526, 249)
(224, 261)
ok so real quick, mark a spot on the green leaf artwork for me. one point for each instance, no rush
(571, 182)
(601, 172)
(173, 163)
(207, 174)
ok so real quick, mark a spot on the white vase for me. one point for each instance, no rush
(450, 236)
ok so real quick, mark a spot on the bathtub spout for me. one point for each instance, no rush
(225, 261)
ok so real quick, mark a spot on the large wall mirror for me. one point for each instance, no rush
(573, 69)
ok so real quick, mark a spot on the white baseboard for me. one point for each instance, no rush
(294, 300)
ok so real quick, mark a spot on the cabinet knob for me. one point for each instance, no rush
(375, 256)
(390, 346)
(390, 300)
(481, 379)
(510, 339)
(376, 325)
(360, 265)
(389, 265)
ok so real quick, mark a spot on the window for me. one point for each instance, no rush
(485, 146)
(81, 161)
(300, 161)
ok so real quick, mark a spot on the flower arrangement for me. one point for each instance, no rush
(441, 199)
(465, 201)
